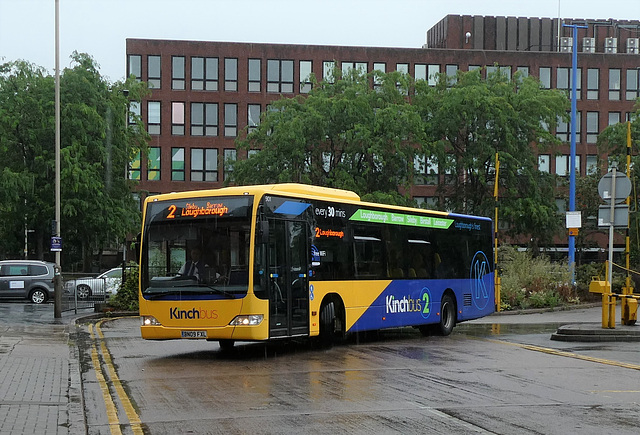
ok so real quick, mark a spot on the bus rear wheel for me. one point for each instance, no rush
(330, 328)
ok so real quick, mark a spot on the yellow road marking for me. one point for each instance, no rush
(132, 415)
(112, 413)
(570, 355)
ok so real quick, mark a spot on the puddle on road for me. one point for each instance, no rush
(483, 330)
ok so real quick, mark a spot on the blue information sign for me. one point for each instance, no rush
(56, 244)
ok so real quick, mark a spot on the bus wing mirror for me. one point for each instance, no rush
(264, 232)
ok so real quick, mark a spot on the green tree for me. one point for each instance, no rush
(344, 134)
(96, 146)
(612, 141)
(470, 119)
(27, 153)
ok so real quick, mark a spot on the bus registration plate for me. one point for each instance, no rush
(194, 334)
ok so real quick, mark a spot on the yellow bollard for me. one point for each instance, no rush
(630, 311)
(608, 310)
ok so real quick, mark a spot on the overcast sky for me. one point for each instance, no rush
(101, 27)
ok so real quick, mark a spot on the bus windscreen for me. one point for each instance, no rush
(196, 248)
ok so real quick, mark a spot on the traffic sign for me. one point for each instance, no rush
(622, 187)
(620, 216)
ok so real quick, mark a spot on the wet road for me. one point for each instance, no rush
(486, 377)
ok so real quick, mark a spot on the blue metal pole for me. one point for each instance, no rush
(572, 163)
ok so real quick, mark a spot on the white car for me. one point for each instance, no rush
(107, 283)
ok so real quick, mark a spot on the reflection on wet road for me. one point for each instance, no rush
(396, 381)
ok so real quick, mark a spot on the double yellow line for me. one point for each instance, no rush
(121, 395)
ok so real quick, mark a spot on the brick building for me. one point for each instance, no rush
(205, 93)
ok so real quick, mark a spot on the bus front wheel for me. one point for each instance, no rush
(447, 315)
(226, 344)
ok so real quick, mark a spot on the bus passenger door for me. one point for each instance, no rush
(289, 253)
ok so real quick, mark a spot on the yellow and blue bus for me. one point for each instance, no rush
(292, 260)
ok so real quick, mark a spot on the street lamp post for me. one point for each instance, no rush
(572, 168)
(57, 307)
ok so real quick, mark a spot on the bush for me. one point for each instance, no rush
(127, 297)
(533, 282)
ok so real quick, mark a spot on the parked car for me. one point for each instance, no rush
(30, 279)
(107, 284)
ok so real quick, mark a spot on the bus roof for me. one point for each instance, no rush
(291, 188)
(304, 190)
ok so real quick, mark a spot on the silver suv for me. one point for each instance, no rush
(30, 279)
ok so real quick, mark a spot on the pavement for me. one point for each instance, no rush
(40, 383)
(40, 374)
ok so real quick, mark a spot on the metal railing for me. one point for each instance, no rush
(86, 291)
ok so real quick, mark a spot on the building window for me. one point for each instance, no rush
(253, 116)
(204, 164)
(204, 119)
(544, 162)
(593, 83)
(177, 73)
(230, 156)
(562, 165)
(153, 164)
(592, 164)
(135, 66)
(633, 83)
(153, 71)
(153, 117)
(135, 167)
(177, 118)
(474, 67)
(420, 72)
(380, 67)
(545, 77)
(426, 169)
(204, 73)
(177, 164)
(230, 74)
(134, 112)
(505, 71)
(614, 118)
(562, 130)
(402, 68)
(614, 84)
(254, 75)
(305, 76)
(592, 126)
(361, 67)
(563, 80)
(452, 74)
(523, 70)
(280, 76)
(230, 120)
(327, 71)
(432, 73)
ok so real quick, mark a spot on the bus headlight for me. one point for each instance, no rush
(150, 321)
(250, 320)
